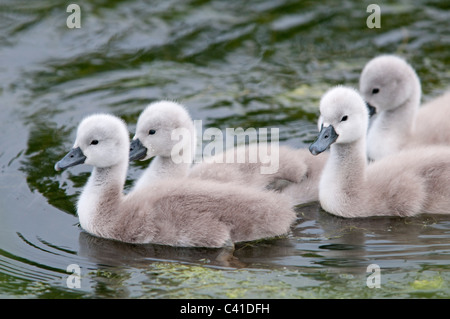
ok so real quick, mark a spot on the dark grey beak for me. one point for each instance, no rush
(372, 109)
(74, 157)
(137, 150)
(327, 136)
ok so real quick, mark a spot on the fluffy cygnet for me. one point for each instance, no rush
(391, 88)
(403, 184)
(297, 174)
(176, 212)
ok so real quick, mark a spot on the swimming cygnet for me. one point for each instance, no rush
(176, 212)
(296, 172)
(403, 184)
(392, 89)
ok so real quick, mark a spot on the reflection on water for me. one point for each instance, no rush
(233, 64)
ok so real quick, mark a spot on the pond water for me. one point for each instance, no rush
(243, 64)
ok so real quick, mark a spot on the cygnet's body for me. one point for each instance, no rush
(176, 212)
(405, 184)
(297, 176)
(391, 86)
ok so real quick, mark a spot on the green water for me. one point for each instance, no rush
(233, 64)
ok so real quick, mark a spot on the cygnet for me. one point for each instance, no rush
(403, 184)
(175, 212)
(392, 90)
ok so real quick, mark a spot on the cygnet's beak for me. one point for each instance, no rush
(327, 136)
(74, 157)
(372, 109)
(137, 150)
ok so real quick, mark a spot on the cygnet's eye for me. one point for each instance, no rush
(151, 132)
(94, 142)
(375, 90)
(344, 118)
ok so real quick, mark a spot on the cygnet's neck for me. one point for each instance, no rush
(100, 198)
(392, 129)
(343, 175)
(350, 162)
(161, 167)
(401, 119)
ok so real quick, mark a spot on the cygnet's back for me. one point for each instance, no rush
(431, 124)
(419, 182)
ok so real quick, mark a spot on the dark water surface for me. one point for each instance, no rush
(233, 64)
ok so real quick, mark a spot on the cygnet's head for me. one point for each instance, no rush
(387, 82)
(102, 141)
(162, 128)
(344, 118)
